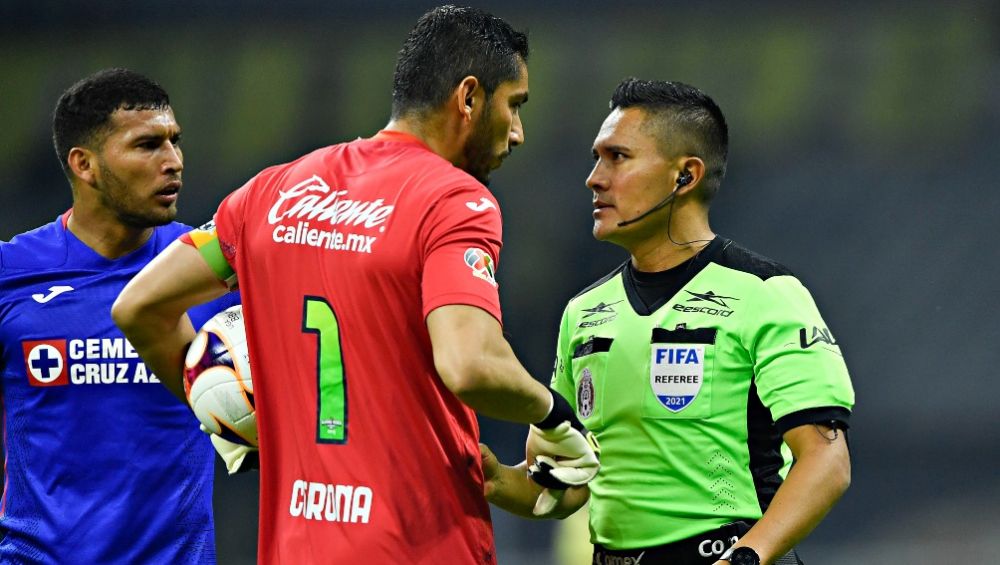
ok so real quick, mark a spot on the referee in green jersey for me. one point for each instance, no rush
(718, 394)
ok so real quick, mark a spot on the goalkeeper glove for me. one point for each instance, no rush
(566, 454)
(238, 458)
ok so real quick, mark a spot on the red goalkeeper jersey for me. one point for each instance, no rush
(366, 456)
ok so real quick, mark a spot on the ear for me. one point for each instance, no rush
(695, 167)
(468, 97)
(83, 163)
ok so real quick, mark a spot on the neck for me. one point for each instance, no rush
(435, 131)
(667, 250)
(99, 230)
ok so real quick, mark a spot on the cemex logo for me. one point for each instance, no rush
(710, 296)
(45, 362)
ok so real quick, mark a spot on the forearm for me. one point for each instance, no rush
(477, 364)
(151, 308)
(161, 342)
(815, 482)
(501, 388)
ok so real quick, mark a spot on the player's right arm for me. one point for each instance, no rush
(478, 365)
(151, 308)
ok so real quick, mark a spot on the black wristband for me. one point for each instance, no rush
(561, 412)
(744, 556)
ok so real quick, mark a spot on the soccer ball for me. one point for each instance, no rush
(217, 378)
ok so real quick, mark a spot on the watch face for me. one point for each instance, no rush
(744, 556)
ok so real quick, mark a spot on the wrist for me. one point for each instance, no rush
(741, 556)
(559, 412)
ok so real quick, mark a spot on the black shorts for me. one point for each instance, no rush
(702, 549)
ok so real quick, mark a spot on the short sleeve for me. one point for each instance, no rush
(562, 379)
(229, 222)
(798, 366)
(461, 238)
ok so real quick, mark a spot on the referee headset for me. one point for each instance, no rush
(683, 179)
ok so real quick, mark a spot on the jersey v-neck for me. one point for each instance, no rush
(81, 255)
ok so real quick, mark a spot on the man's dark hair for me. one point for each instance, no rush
(685, 120)
(84, 110)
(448, 44)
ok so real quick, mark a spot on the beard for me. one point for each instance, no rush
(478, 150)
(122, 200)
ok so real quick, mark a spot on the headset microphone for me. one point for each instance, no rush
(683, 180)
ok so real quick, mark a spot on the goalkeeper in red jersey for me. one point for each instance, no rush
(367, 271)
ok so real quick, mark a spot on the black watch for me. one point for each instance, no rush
(743, 556)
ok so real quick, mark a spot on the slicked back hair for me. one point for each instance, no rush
(84, 110)
(448, 44)
(684, 120)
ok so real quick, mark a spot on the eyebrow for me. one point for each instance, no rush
(158, 135)
(612, 148)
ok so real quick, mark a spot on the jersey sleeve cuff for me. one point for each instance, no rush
(837, 415)
(467, 299)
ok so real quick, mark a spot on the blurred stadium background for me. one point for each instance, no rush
(865, 143)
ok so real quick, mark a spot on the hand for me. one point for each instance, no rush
(491, 470)
(564, 453)
(563, 457)
(238, 458)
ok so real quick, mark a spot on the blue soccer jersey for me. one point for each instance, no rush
(103, 464)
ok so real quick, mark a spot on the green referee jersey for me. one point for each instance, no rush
(689, 393)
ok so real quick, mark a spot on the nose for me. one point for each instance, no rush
(516, 132)
(173, 161)
(596, 180)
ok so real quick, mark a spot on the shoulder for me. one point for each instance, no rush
(166, 234)
(41, 248)
(599, 283)
(733, 256)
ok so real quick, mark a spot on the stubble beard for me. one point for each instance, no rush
(478, 150)
(117, 197)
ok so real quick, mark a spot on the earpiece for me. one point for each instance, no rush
(684, 178)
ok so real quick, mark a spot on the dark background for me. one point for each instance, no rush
(864, 156)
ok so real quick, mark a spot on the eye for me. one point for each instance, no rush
(617, 156)
(176, 140)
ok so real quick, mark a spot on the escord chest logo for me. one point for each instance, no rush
(604, 313)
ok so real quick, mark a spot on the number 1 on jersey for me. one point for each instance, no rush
(318, 318)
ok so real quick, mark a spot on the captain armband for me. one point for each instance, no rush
(206, 240)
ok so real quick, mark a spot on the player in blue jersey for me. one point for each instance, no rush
(103, 465)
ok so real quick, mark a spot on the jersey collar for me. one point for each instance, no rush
(399, 137)
(660, 287)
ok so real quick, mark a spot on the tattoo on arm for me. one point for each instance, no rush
(829, 432)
